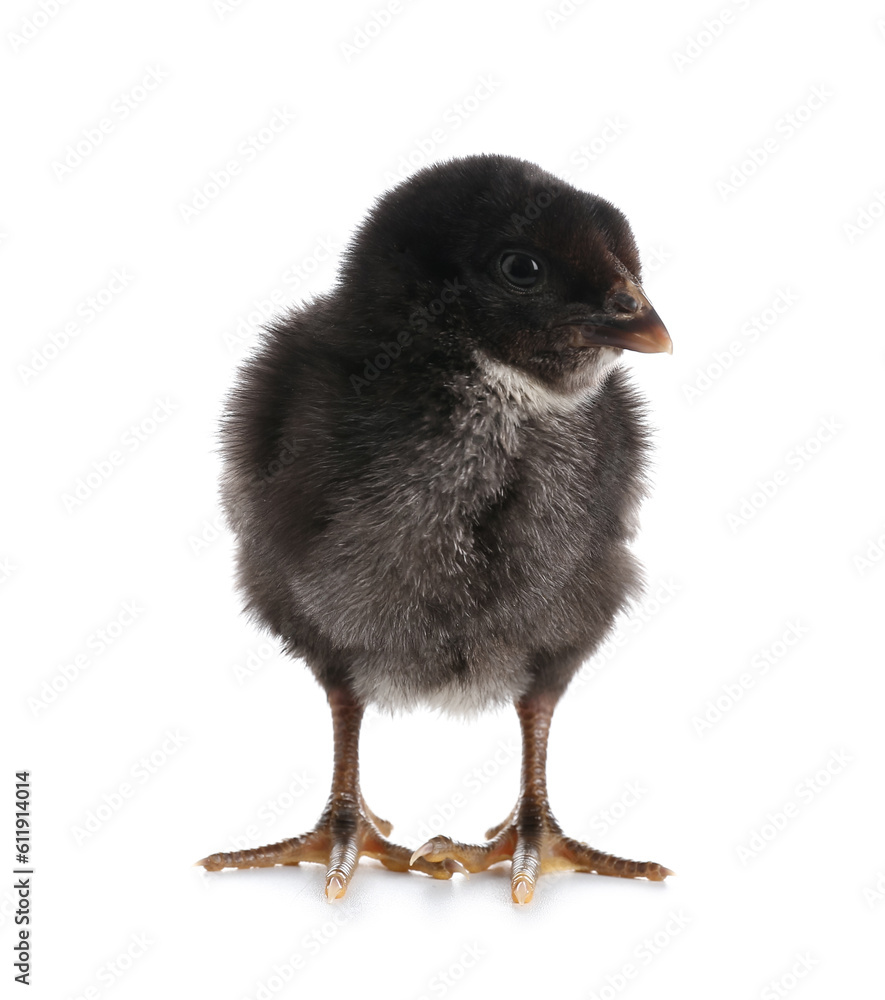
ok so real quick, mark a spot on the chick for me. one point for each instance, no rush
(433, 473)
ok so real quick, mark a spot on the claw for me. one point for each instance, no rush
(522, 889)
(664, 872)
(455, 867)
(422, 852)
(335, 888)
(434, 850)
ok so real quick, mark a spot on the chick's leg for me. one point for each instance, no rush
(347, 828)
(530, 838)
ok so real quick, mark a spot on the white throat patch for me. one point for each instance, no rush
(529, 395)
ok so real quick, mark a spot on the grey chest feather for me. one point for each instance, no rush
(461, 554)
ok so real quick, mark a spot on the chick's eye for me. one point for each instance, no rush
(520, 269)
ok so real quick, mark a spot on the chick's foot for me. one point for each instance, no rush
(530, 838)
(347, 831)
(534, 844)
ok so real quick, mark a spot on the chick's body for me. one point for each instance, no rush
(434, 471)
(431, 549)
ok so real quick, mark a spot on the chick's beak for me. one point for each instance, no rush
(628, 320)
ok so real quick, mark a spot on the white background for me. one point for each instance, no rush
(780, 862)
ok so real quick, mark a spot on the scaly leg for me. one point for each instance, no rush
(530, 838)
(347, 828)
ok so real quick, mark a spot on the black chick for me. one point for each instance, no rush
(434, 473)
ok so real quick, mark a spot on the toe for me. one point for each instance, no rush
(400, 859)
(493, 831)
(466, 858)
(286, 852)
(581, 857)
(435, 849)
(343, 858)
(522, 888)
(336, 886)
(525, 869)
(382, 825)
